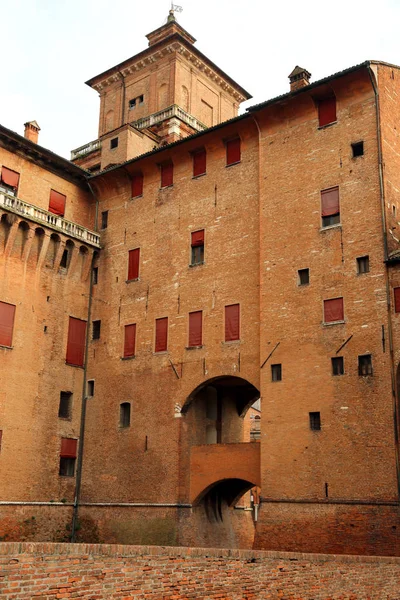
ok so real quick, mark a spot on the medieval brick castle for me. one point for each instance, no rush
(181, 266)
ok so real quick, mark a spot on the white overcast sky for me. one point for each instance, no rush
(49, 48)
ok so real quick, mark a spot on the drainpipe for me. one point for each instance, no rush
(387, 283)
(84, 396)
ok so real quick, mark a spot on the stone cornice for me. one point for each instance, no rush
(175, 45)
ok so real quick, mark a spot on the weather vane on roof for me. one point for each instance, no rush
(176, 8)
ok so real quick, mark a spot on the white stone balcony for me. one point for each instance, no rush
(86, 149)
(168, 113)
(48, 219)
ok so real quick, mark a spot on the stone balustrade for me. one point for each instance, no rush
(44, 217)
(86, 149)
(167, 113)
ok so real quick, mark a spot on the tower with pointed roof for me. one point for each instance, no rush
(166, 92)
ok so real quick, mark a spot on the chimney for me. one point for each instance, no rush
(299, 78)
(32, 131)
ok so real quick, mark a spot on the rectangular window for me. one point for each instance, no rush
(96, 328)
(10, 180)
(396, 292)
(303, 276)
(65, 406)
(362, 265)
(64, 259)
(95, 275)
(161, 343)
(7, 315)
(232, 322)
(132, 103)
(199, 163)
(330, 207)
(104, 219)
(327, 110)
(129, 340)
(114, 143)
(57, 203)
(357, 149)
(195, 329)
(90, 388)
(276, 372)
(167, 175)
(137, 185)
(68, 457)
(315, 421)
(76, 342)
(337, 365)
(233, 154)
(365, 365)
(133, 264)
(197, 244)
(125, 414)
(333, 310)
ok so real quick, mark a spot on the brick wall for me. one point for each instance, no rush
(47, 571)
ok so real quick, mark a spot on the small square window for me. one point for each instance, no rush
(65, 406)
(96, 330)
(315, 421)
(365, 365)
(67, 467)
(132, 103)
(276, 372)
(114, 143)
(303, 276)
(362, 265)
(95, 275)
(337, 365)
(357, 149)
(90, 388)
(104, 219)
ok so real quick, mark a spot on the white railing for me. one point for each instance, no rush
(167, 113)
(39, 215)
(86, 149)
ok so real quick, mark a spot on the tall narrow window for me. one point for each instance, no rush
(333, 310)
(104, 219)
(65, 406)
(327, 110)
(7, 315)
(396, 292)
(9, 180)
(76, 342)
(362, 265)
(133, 264)
(303, 276)
(167, 174)
(137, 185)
(195, 329)
(161, 342)
(337, 365)
(330, 207)
(57, 203)
(124, 414)
(197, 245)
(315, 421)
(68, 457)
(233, 153)
(96, 328)
(276, 372)
(199, 162)
(365, 365)
(232, 322)
(90, 388)
(95, 275)
(129, 340)
(114, 143)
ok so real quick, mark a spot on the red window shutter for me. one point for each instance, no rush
(397, 299)
(130, 340)
(196, 328)
(57, 203)
(232, 321)
(10, 178)
(333, 310)
(167, 175)
(76, 342)
(68, 448)
(330, 202)
(198, 238)
(133, 266)
(327, 110)
(7, 313)
(233, 151)
(137, 185)
(199, 163)
(161, 334)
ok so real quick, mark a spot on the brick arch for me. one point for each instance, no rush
(246, 392)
